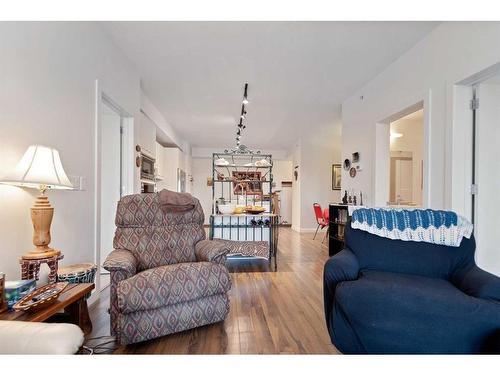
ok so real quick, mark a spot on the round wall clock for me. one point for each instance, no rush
(347, 164)
(352, 172)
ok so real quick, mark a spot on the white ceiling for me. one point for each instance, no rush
(298, 72)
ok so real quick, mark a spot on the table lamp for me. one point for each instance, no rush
(40, 168)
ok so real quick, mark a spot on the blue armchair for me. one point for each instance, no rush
(393, 296)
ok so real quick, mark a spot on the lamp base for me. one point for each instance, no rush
(41, 253)
(41, 216)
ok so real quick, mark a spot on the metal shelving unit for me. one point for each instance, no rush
(250, 235)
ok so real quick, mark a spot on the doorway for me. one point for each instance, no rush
(114, 175)
(406, 160)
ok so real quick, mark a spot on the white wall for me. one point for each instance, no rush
(188, 166)
(428, 72)
(159, 120)
(201, 169)
(282, 171)
(315, 154)
(47, 96)
(296, 184)
(382, 163)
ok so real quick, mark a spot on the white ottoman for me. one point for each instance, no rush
(39, 338)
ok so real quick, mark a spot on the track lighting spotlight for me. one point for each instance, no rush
(240, 125)
(245, 94)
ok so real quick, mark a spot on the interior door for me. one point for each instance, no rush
(286, 203)
(404, 180)
(401, 180)
(487, 175)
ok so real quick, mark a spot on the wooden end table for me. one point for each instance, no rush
(72, 300)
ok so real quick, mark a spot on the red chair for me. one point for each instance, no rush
(326, 216)
(322, 218)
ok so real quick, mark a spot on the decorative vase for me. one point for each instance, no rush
(41, 216)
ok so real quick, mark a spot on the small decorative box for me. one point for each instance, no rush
(15, 290)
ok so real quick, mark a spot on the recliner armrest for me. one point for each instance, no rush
(121, 260)
(343, 266)
(478, 283)
(211, 251)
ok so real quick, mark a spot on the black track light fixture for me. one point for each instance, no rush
(240, 126)
(243, 113)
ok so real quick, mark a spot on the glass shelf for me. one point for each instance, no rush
(237, 181)
(242, 166)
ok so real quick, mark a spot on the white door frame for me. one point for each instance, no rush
(127, 167)
(461, 94)
(381, 175)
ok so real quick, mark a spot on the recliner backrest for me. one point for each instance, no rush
(418, 258)
(154, 237)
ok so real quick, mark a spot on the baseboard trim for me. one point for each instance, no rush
(308, 230)
(304, 230)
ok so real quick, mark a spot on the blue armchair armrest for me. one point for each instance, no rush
(478, 283)
(343, 266)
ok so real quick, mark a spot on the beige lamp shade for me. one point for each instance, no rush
(39, 166)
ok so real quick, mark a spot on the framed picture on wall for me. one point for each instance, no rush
(336, 176)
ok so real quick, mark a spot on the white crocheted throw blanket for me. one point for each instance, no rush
(432, 226)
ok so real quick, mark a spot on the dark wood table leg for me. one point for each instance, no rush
(79, 315)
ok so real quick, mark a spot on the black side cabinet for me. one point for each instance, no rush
(339, 217)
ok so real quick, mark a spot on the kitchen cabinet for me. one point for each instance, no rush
(160, 162)
(171, 158)
(146, 136)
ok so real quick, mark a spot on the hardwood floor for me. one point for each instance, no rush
(271, 312)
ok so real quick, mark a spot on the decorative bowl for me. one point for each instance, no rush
(40, 296)
(254, 210)
(221, 162)
(226, 208)
(239, 209)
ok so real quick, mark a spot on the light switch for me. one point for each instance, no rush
(79, 182)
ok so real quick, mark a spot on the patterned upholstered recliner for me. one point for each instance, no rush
(165, 276)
